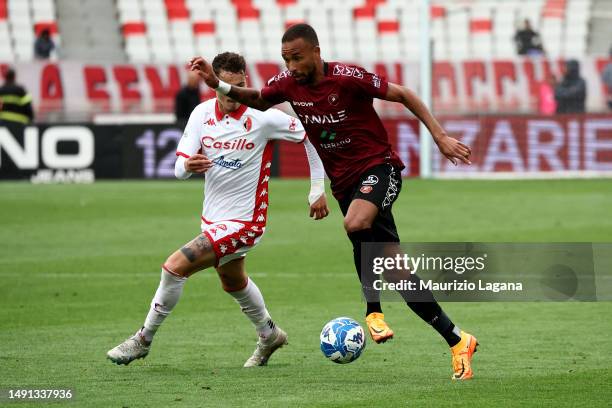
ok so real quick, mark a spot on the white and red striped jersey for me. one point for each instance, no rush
(240, 146)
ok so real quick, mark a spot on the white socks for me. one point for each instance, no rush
(166, 297)
(169, 291)
(253, 306)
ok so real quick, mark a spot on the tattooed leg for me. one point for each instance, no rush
(194, 256)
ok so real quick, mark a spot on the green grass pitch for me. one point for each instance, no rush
(79, 265)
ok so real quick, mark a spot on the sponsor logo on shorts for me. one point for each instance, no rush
(370, 181)
(366, 189)
(232, 164)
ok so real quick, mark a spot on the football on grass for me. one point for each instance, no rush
(342, 340)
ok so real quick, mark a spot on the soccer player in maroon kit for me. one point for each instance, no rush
(334, 103)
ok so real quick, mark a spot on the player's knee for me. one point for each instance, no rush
(176, 265)
(355, 224)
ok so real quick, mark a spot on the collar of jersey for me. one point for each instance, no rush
(237, 114)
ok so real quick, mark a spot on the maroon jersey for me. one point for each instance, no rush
(340, 120)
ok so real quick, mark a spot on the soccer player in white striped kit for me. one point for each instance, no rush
(232, 144)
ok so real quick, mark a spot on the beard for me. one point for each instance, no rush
(305, 78)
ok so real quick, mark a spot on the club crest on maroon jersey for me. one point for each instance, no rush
(333, 99)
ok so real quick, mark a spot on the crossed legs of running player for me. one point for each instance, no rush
(196, 255)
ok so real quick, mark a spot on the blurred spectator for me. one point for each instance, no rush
(546, 101)
(528, 42)
(570, 93)
(606, 76)
(187, 99)
(44, 45)
(15, 102)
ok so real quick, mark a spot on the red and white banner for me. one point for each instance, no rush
(476, 86)
(521, 145)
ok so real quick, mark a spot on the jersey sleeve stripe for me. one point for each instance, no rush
(182, 154)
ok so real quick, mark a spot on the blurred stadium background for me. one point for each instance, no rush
(121, 62)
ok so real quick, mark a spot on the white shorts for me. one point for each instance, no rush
(232, 239)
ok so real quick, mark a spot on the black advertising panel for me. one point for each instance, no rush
(84, 152)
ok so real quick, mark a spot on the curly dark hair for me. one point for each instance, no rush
(230, 62)
(301, 30)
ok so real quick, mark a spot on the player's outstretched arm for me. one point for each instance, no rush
(246, 96)
(450, 147)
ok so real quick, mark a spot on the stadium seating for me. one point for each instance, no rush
(20, 22)
(351, 30)
(354, 30)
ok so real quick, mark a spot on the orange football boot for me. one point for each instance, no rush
(379, 331)
(462, 353)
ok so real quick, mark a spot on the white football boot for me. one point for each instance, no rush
(132, 349)
(267, 346)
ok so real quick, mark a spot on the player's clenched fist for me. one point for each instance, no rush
(203, 68)
(198, 163)
(319, 208)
